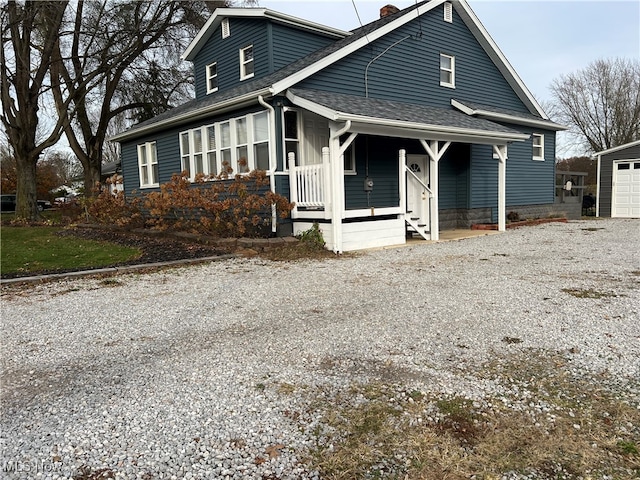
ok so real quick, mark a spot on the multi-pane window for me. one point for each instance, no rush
(447, 70)
(212, 157)
(241, 144)
(148, 164)
(246, 62)
(538, 146)
(212, 77)
(242, 151)
(261, 141)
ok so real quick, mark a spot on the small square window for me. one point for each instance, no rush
(447, 71)
(538, 146)
(212, 77)
(246, 62)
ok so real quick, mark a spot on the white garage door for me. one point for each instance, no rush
(626, 189)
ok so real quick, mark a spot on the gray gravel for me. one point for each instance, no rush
(195, 372)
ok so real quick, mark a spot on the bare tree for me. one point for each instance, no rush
(600, 104)
(135, 46)
(29, 35)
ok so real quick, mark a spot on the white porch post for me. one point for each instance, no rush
(293, 184)
(435, 154)
(327, 184)
(501, 153)
(402, 180)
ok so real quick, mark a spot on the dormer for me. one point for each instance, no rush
(238, 45)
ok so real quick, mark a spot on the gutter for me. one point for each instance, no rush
(221, 107)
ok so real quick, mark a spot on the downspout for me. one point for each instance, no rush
(272, 158)
(337, 190)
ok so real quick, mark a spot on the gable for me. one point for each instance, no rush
(275, 45)
(407, 67)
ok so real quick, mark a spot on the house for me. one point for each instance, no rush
(413, 123)
(619, 181)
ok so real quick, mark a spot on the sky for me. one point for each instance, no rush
(542, 40)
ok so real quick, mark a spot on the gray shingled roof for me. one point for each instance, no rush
(399, 111)
(265, 82)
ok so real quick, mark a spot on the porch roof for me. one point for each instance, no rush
(504, 115)
(398, 119)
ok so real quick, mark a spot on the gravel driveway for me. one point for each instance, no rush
(211, 371)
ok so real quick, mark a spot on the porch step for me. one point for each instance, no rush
(414, 226)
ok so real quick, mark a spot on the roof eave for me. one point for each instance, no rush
(618, 148)
(216, 18)
(192, 115)
(398, 128)
(282, 85)
(503, 117)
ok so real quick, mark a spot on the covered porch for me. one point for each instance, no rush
(348, 207)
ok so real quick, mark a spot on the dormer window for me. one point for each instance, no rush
(226, 32)
(447, 71)
(212, 77)
(246, 62)
(448, 12)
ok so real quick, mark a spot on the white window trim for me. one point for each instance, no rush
(244, 63)
(452, 71)
(209, 77)
(448, 12)
(146, 147)
(226, 31)
(540, 146)
(233, 145)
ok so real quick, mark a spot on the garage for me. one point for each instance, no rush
(619, 181)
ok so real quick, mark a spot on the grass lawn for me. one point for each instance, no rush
(33, 249)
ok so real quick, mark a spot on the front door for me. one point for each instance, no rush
(417, 195)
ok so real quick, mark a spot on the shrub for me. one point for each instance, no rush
(239, 206)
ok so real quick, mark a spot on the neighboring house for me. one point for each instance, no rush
(415, 123)
(619, 181)
(111, 176)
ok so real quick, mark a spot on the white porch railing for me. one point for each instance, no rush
(309, 183)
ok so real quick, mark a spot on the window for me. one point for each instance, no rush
(261, 141)
(225, 28)
(242, 150)
(291, 137)
(349, 158)
(148, 165)
(447, 71)
(212, 157)
(246, 62)
(240, 144)
(448, 12)
(538, 146)
(212, 78)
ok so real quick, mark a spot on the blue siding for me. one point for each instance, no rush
(453, 178)
(410, 71)
(529, 182)
(274, 46)
(167, 148)
(290, 44)
(226, 52)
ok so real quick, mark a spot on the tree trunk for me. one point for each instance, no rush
(26, 196)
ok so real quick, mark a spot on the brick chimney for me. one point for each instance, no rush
(388, 10)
